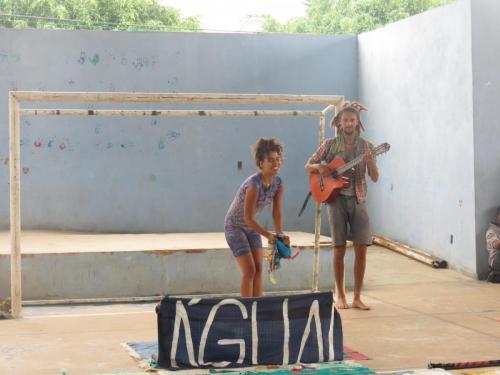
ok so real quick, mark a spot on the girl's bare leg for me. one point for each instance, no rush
(247, 267)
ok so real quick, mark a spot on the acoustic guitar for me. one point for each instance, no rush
(326, 186)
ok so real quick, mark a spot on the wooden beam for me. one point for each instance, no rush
(410, 252)
(141, 97)
(175, 113)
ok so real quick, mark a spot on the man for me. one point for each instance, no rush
(348, 208)
(493, 247)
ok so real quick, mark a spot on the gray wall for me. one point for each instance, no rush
(431, 83)
(159, 174)
(486, 84)
(415, 76)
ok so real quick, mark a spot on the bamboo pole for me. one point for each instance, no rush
(81, 301)
(329, 108)
(175, 113)
(141, 97)
(317, 224)
(16, 97)
(338, 108)
(15, 207)
(410, 252)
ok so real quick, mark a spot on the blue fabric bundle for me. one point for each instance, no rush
(284, 250)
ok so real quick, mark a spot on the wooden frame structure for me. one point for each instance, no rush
(16, 98)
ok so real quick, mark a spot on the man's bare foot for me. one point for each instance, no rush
(357, 304)
(341, 303)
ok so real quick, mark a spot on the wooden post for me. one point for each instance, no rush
(15, 206)
(317, 224)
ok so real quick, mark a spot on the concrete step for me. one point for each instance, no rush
(71, 266)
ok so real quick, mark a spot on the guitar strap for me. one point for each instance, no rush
(305, 203)
(336, 147)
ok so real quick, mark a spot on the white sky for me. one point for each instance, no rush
(237, 15)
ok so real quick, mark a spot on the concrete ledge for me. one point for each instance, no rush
(61, 265)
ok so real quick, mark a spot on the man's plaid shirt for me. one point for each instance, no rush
(361, 147)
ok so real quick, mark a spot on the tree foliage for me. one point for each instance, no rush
(350, 16)
(94, 14)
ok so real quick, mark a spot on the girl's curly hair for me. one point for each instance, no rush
(263, 147)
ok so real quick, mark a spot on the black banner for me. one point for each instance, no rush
(239, 332)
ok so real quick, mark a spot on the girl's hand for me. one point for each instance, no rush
(271, 238)
(283, 238)
(286, 240)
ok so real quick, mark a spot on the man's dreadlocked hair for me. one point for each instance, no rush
(347, 108)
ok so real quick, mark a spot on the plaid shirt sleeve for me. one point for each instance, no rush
(321, 153)
(361, 187)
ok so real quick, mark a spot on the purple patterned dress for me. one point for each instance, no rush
(241, 238)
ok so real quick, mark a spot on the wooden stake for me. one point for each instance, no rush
(317, 224)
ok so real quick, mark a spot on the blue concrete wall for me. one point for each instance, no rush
(415, 76)
(430, 82)
(486, 86)
(159, 174)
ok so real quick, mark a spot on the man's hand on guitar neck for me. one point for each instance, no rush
(369, 157)
(371, 163)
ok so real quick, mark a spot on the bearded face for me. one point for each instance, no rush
(349, 123)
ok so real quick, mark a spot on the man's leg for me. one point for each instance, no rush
(360, 226)
(359, 274)
(338, 226)
(338, 266)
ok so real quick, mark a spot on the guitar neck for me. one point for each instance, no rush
(351, 164)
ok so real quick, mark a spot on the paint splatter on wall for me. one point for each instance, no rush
(169, 137)
(91, 58)
(137, 62)
(103, 139)
(8, 58)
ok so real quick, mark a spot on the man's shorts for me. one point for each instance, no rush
(242, 241)
(346, 213)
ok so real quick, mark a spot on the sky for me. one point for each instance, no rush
(237, 15)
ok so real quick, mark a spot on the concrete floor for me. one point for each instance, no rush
(419, 315)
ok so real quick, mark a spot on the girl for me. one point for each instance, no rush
(240, 226)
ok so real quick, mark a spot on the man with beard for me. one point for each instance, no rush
(493, 247)
(348, 208)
